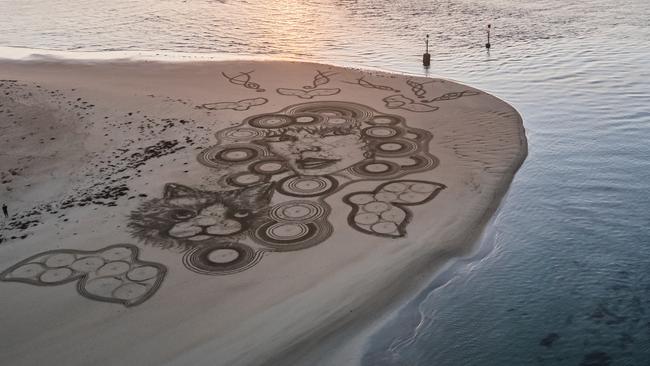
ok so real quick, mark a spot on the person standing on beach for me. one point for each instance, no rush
(5, 210)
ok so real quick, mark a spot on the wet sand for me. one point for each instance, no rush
(231, 213)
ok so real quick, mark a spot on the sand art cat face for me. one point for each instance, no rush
(186, 216)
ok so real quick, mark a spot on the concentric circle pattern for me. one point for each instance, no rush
(218, 156)
(269, 121)
(289, 236)
(307, 118)
(398, 147)
(236, 154)
(221, 259)
(376, 169)
(385, 120)
(420, 163)
(381, 132)
(240, 134)
(298, 211)
(269, 167)
(244, 179)
(333, 109)
(307, 186)
(340, 122)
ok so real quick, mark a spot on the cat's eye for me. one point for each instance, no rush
(280, 138)
(288, 138)
(182, 214)
(241, 213)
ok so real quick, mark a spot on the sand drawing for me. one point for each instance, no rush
(206, 225)
(221, 258)
(241, 105)
(382, 212)
(311, 91)
(321, 78)
(244, 79)
(452, 96)
(218, 230)
(308, 94)
(368, 85)
(294, 225)
(399, 101)
(112, 274)
(312, 149)
(185, 216)
(275, 171)
(418, 88)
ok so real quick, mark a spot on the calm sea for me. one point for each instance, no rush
(563, 277)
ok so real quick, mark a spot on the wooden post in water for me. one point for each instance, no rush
(426, 58)
(487, 45)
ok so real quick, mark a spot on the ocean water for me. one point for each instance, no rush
(563, 275)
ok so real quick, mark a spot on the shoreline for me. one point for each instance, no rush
(481, 247)
(317, 292)
(26, 54)
(352, 344)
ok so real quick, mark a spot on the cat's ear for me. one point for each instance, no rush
(253, 197)
(174, 190)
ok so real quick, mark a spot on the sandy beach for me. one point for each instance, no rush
(231, 213)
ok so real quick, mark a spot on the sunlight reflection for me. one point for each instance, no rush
(293, 26)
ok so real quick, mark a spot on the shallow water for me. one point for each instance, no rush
(570, 248)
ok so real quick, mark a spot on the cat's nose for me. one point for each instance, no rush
(311, 148)
(206, 221)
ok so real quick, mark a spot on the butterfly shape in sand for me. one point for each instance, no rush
(112, 274)
(310, 91)
(309, 94)
(399, 101)
(383, 212)
(242, 105)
